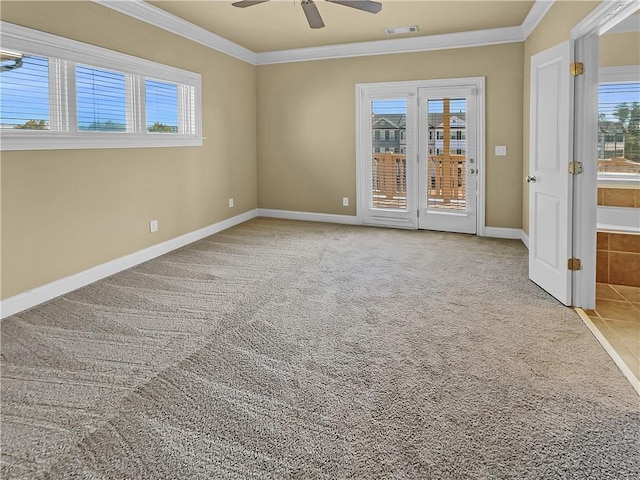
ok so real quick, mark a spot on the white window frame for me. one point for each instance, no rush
(63, 55)
(624, 74)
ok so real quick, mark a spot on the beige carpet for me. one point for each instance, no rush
(284, 350)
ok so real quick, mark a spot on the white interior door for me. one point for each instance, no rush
(549, 180)
(448, 159)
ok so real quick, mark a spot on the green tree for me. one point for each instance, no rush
(160, 127)
(621, 112)
(629, 118)
(33, 125)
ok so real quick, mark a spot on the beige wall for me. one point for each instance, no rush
(553, 29)
(64, 211)
(619, 49)
(306, 125)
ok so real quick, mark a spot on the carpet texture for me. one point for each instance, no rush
(289, 350)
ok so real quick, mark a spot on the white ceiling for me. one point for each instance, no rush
(281, 24)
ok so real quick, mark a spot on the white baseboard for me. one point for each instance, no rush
(310, 216)
(499, 232)
(31, 298)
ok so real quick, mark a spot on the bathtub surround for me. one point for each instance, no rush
(618, 258)
(618, 246)
(618, 219)
(619, 197)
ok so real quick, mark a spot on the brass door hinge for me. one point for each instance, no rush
(577, 68)
(575, 168)
(574, 264)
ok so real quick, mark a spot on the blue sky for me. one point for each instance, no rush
(613, 94)
(100, 96)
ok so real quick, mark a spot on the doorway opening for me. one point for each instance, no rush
(609, 245)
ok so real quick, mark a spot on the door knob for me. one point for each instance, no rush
(531, 179)
(472, 171)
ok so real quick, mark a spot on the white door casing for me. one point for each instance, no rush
(550, 184)
(585, 36)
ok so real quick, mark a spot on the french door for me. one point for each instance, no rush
(388, 173)
(448, 159)
(419, 154)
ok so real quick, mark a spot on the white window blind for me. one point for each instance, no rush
(162, 106)
(57, 93)
(619, 128)
(24, 92)
(101, 98)
(388, 169)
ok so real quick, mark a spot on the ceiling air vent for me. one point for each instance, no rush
(399, 30)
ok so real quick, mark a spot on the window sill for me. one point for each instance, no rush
(64, 141)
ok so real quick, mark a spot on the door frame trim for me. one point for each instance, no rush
(584, 37)
(362, 92)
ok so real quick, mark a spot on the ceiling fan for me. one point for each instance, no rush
(311, 10)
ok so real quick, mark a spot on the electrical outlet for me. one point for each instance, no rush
(153, 226)
(345, 201)
(231, 203)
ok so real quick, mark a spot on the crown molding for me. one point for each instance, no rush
(537, 13)
(147, 13)
(401, 45)
(157, 17)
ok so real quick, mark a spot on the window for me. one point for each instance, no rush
(101, 99)
(162, 106)
(619, 125)
(57, 93)
(24, 96)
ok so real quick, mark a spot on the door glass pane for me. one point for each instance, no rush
(388, 154)
(447, 153)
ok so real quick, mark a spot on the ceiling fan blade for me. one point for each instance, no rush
(364, 5)
(312, 14)
(248, 3)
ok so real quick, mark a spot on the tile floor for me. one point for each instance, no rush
(617, 317)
